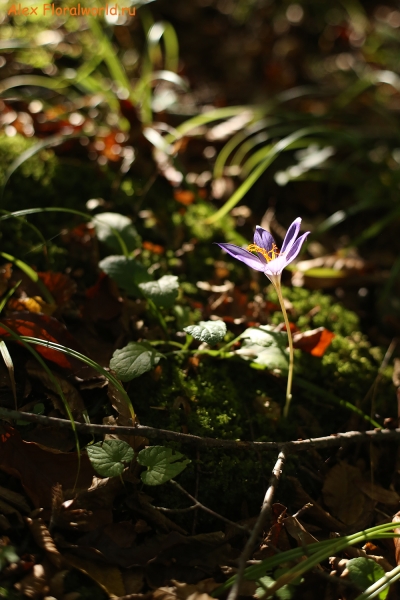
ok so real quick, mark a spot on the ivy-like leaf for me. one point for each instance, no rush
(363, 572)
(265, 347)
(210, 332)
(126, 272)
(108, 458)
(107, 223)
(162, 464)
(162, 292)
(134, 360)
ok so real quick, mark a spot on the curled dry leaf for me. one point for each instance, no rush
(45, 541)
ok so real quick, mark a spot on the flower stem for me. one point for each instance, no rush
(277, 287)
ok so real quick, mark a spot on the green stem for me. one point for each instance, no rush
(277, 287)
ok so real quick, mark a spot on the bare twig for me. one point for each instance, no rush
(329, 441)
(260, 523)
(198, 504)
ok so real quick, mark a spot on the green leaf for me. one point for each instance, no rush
(363, 572)
(162, 464)
(108, 458)
(210, 332)
(111, 227)
(162, 292)
(265, 347)
(134, 360)
(126, 272)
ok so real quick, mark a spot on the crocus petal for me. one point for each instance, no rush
(276, 266)
(263, 238)
(249, 259)
(295, 249)
(291, 235)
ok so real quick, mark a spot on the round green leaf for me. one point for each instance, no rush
(162, 292)
(126, 272)
(162, 464)
(134, 360)
(363, 572)
(107, 223)
(108, 458)
(210, 332)
(265, 348)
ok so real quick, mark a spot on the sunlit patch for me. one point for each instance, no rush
(267, 254)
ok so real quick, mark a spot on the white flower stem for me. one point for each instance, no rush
(277, 286)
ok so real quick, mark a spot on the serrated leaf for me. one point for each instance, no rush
(162, 292)
(162, 464)
(126, 272)
(210, 332)
(265, 347)
(363, 572)
(108, 458)
(134, 360)
(108, 224)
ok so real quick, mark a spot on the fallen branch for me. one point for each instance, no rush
(260, 523)
(329, 441)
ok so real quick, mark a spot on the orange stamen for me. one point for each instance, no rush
(268, 255)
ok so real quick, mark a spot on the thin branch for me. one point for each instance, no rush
(329, 441)
(198, 504)
(260, 523)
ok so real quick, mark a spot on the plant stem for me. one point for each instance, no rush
(277, 287)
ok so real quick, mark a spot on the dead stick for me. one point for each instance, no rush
(329, 441)
(260, 523)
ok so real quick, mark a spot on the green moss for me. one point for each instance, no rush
(314, 309)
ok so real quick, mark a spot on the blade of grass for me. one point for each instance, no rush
(10, 368)
(318, 391)
(87, 361)
(273, 153)
(72, 211)
(56, 384)
(31, 274)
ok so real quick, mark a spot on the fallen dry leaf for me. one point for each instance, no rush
(106, 576)
(377, 492)
(39, 469)
(315, 341)
(341, 495)
(45, 541)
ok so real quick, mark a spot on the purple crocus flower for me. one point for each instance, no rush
(263, 255)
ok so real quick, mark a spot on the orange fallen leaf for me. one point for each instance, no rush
(315, 341)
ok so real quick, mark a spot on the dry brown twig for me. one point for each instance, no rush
(329, 441)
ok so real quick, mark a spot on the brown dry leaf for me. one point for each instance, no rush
(109, 578)
(298, 532)
(70, 392)
(377, 492)
(36, 585)
(61, 286)
(6, 509)
(5, 275)
(90, 508)
(15, 499)
(315, 513)
(341, 494)
(39, 469)
(133, 580)
(45, 541)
